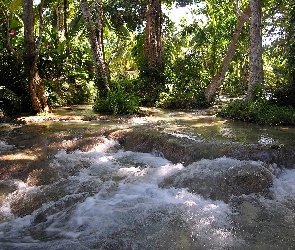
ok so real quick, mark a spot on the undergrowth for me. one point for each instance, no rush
(119, 100)
(261, 111)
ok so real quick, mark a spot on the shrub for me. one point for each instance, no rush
(182, 99)
(261, 111)
(118, 101)
(64, 91)
(185, 84)
(14, 90)
(68, 77)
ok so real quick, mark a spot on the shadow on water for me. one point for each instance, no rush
(168, 180)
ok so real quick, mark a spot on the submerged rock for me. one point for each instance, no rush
(187, 150)
(222, 179)
(263, 223)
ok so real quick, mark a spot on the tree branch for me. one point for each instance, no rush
(240, 13)
(218, 79)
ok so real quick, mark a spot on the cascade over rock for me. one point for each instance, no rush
(175, 181)
(221, 180)
(187, 150)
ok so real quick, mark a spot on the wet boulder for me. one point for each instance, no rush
(222, 178)
(187, 150)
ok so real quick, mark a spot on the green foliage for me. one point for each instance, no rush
(150, 82)
(119, 100)
(193, 55)
(149, 85)
(258, 91)
(64, 66)
(180, 100)
(73, 90)
(129, 13)
(283, 62)
(9, 102)
(137, 50)
(185, 83)
(284, 96)
(261, 111)
(67, 76)
(14, 90)
(14, 93)
(234, 86)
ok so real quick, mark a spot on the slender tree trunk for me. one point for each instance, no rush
(153, 46)
(256, 66)
(291, 56)
(95, 30)
(66, 32)
(218, 79)
(30, 57)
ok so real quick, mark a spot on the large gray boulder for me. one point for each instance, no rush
(222, 178)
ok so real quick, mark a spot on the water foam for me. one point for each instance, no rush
(4, 146)
(284, 186)
(112, 200)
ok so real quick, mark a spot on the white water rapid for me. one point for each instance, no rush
(108, 198)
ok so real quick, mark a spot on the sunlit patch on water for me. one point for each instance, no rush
(180, 135)
(266, 140)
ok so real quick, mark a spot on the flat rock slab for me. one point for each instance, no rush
(187, 151)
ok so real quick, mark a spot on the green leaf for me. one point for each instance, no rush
(15, 4)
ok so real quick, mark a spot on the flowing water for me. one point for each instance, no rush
(106, 197)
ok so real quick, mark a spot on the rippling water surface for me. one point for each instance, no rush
(109, 198)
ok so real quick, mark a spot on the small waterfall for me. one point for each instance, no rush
(109, 198)
(171, 180)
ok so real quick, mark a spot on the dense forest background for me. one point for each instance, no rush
(120, 55)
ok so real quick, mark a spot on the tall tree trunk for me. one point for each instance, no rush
(153, 50)
(66, 32)
(218, 79)
(95, 30)
(153, 46)
(36, 86)
(256, 66)
(291, 55)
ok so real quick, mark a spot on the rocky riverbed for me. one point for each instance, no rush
(236, 180)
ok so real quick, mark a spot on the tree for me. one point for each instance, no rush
(153, 46)
(31, 50)
(95, 30)
(218, 79)
(291, 42)
(66, 30)
(152, 68)
(31, 54)
(256, 67)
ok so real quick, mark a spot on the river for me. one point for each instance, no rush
(168, 180)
